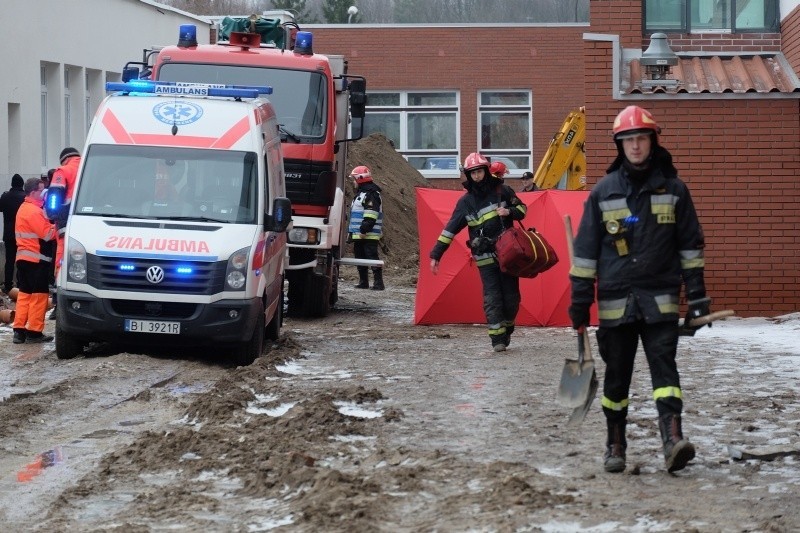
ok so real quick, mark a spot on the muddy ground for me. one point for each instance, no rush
(364, 422)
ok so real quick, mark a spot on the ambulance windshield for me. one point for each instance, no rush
(169, 183)
(298, 96)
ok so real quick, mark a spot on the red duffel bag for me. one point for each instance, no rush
(524, 253)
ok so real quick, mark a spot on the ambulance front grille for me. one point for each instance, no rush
(130, 274)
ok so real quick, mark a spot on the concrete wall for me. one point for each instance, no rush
(91, 40)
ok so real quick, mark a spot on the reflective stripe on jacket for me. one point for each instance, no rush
(366, 215)
(31, 227)
(639, 244)
(479, 214)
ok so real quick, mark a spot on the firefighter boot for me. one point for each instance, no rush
(677, 450)
(377, 273)
(614, 458)
(363, 278)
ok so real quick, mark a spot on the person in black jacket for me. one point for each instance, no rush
(9, 205)
(639, 240)
(366, 225)
(487, 208)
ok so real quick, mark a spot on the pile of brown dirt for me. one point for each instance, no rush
(398, 181)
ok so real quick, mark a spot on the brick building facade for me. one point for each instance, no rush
(739, 153)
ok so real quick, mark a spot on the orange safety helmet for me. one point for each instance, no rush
(634, 120)
(498, 169)
(475, 160)
(361, 174)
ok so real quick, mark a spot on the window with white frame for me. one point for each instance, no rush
(504, 119)
(422, 125)
(736, 16)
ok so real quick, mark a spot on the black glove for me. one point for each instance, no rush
(579, 314)
(698, 307)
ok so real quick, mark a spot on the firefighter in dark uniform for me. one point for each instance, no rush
(487, 208)
(640, 239)
(366, 225)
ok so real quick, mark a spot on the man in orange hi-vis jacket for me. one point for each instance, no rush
(34, 233)
(59, 195)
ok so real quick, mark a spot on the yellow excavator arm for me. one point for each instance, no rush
(564, 164)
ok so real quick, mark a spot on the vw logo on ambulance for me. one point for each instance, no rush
(155, 274)
(177, 113)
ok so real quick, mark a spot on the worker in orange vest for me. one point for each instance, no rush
(33, 233)
(59, 196)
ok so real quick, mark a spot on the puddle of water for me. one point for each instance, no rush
(103, 433)
(44, 460)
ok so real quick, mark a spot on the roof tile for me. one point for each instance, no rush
(737, 74)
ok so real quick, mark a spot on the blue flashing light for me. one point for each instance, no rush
(52, 202)
(187, 35)
(171, 88)
(126, 267)
(304, 43)
(630, 221)
(184, 271)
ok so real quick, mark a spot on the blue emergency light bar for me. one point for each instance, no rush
(171, 88)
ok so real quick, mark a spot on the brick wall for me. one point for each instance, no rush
(546, 60)
(790, 37)
(740, 158)
(724, 43)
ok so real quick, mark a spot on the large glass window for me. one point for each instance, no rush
(505, 128)
(422, 125)
(684, 16)
(298, 96)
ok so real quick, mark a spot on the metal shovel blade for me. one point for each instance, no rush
(577, 376)
(580, 412)
(576, 382)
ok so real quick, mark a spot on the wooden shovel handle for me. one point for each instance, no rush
(711, 317)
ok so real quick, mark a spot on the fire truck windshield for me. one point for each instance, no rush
(298, 96)
(169, 183)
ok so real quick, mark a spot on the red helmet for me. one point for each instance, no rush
(634, 120)
(361, 174)
(475, 160)
(498, 169)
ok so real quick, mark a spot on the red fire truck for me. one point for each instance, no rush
(315, 100)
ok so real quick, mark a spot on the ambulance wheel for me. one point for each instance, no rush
(67, 346)
(245, 353)
(273, 332)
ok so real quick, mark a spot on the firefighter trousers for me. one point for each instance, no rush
(618, 347)
(34, 292)
(366, 249)
(501, 299)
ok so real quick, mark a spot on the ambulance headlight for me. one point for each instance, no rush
(236, 273)
(76, 261)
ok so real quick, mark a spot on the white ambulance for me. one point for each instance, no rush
(177, 228)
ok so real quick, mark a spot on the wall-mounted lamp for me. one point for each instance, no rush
(352, 11)
(658, 57)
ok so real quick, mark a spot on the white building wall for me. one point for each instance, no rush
(86, 41)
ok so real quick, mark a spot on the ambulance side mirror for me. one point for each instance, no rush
(281, 215)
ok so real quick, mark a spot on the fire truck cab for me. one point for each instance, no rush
(315, 99)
